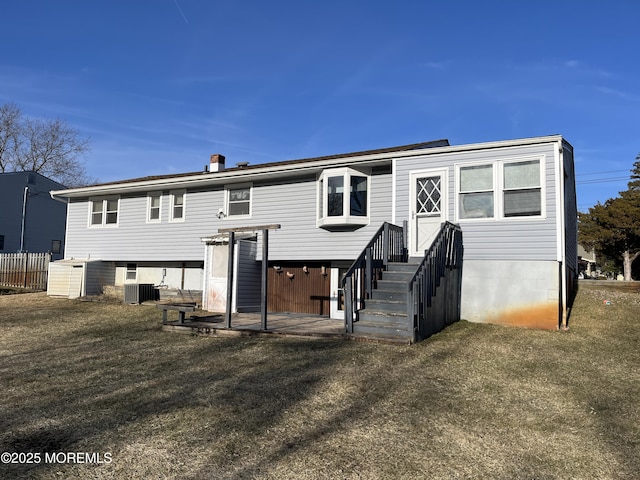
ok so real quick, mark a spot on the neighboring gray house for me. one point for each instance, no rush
(30, 220)
(514, 200)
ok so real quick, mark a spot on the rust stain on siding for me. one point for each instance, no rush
(542, 316)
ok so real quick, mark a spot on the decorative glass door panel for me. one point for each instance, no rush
(427, 208)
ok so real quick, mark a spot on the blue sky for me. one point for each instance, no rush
(160, 85)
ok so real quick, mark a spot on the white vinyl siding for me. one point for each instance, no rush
(292, 204)
(514, 238)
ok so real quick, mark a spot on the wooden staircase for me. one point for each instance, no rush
(385, 314)
(390, 299)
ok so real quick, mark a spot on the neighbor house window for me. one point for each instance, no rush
(502, 189)
(104, 211)
(522, 194)
(177, 205)
(343, 198)
(154, 202)
(131, 274)
(56, 246)
(239, 200)
(476, 191)
(1, 242)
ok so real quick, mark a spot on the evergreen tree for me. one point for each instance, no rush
(613, 229)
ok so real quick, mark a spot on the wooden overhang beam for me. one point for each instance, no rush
(265, 261)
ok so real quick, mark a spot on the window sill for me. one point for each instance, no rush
(343, 223)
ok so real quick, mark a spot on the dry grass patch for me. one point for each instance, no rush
(474, 401)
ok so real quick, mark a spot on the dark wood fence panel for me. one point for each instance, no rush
(24, 270)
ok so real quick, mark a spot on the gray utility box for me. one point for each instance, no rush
(139, 292)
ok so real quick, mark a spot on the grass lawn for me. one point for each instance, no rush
(474, 401)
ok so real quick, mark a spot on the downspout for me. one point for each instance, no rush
(24, 217)
(562, 320)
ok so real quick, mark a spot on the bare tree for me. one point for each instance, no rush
(9, 134)
(47, 146)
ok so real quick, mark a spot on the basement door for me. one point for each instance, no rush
(428, 206)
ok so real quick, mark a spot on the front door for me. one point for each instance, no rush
(427, 208)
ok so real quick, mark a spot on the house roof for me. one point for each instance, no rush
(177, 180)
(247, 173)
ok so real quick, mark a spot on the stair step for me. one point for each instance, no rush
(382, 326)
(395, 319)
(399, 276)
(392, 285)
(382, 305)
(401, 267)
(391, 295)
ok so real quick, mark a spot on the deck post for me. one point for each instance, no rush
(348, 304)
(265, 260)
(385, 246)
(368, 274)
(230, 280)
(405, 250)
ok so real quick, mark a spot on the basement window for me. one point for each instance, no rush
(343, 199)
(131, 274)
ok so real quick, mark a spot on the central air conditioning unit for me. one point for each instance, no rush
(139, 292)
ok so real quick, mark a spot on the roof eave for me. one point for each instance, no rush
(285, 169)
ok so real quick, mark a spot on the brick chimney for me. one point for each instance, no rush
(216, 163)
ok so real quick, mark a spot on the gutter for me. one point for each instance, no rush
(56, 198)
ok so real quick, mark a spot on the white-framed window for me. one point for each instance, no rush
(177, 206)
(476, 198)
(104, 212)
(238, 199)
(131, 273)
(501, 189)
(154, 207)
(522, 189)
(343, 198)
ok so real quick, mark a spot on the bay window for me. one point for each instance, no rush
(343, 198)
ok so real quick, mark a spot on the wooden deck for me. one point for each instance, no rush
(244, 324)
(278, 324)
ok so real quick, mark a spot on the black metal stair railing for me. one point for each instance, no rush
(440, 271)
(387, 245)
